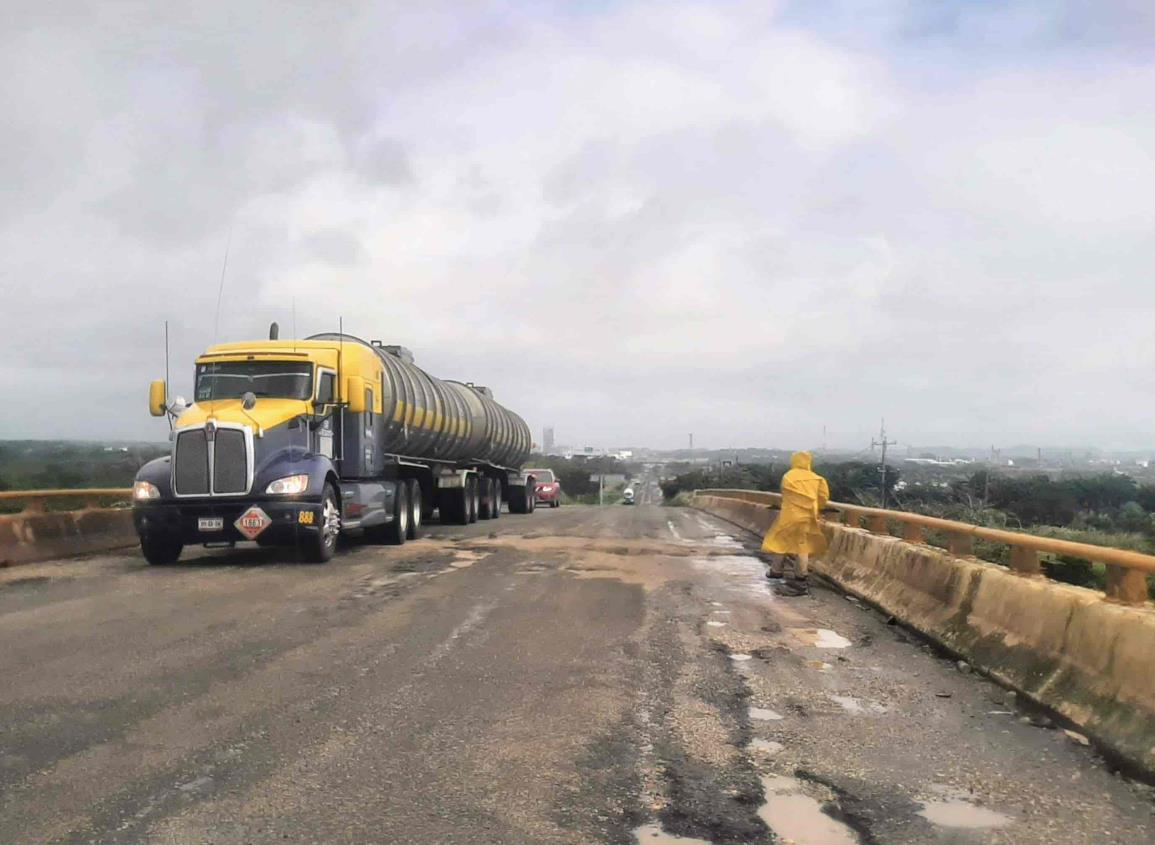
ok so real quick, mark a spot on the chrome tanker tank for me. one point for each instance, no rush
(450, 421)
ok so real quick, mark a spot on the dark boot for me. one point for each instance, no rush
(793, 587)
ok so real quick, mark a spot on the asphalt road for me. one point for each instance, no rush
(581, 675)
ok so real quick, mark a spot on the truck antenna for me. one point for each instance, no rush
(341, 387)
(221, 288)
(167, 415)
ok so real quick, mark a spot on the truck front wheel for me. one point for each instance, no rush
(160, 550)
(320, 547)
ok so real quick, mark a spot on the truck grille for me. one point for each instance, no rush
(230, 463)
(192, 464)
(205, 467)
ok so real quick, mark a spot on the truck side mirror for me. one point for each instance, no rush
(156, 398)
(355, 394)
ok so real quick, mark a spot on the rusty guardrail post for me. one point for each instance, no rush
(912, 533)
(876, 524)
(1126, 586)
(34, 505)
(1025, 561)
(961, 545)
(851, 517)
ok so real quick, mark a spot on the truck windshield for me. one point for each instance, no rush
(232, 379)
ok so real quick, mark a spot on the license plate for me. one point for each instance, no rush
(211, 523)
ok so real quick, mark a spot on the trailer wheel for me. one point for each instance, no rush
(485, 495)
(160, 550)
(319, 547)
(415, 508)
(397, 530)
(472, 499)
(519, 498)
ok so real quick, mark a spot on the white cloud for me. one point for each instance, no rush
(633, 222)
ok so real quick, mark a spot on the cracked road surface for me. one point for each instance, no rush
(582, 675)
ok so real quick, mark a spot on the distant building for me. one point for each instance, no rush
(547, 440)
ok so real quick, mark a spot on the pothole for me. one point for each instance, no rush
(795, 817)
(821, 637)
(766, 746)
(765, 714)
(464, 559)
(652, 833)
(954, 812)
(854, 705)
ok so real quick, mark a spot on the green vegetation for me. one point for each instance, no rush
(51, 464)
(1106, 509)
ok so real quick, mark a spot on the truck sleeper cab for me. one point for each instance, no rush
(296, 442)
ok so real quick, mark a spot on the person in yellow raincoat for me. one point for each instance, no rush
(797, 533)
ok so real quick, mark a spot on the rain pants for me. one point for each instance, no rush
(797, 530)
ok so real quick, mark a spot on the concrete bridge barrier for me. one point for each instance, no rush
(37, 533)
(1085, 655)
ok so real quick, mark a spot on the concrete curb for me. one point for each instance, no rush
(31, 537)
(1061, 646)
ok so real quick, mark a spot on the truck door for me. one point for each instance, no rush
(326, 392)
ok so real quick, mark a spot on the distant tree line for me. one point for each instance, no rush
(51, 464)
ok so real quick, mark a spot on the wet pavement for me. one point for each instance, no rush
(580, 675)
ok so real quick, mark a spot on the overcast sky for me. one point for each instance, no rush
(634, 220)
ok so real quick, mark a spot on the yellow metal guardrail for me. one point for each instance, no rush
(35, 501)
(1126, 570)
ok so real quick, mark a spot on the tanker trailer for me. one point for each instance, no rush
(295, 442)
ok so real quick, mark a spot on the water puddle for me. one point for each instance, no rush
(674, 531)
(713, 624)
(853, 705)
(747, 572)
(954, 812)
(764, 714)
(766, 746)
(796, 817)
(652, 833)
(821, 637)
(739, 658)
(727, 542)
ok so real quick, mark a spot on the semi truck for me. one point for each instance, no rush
(296, 442)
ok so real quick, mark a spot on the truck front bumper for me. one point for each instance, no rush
(289, 520)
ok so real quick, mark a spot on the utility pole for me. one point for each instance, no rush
(883, 442)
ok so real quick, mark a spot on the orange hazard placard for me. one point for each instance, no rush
(252, 522)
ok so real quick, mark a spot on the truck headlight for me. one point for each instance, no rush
(144, 490)
(290, 485)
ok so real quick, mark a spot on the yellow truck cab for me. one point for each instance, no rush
(294, 442)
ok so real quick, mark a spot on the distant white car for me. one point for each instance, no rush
(628, 496)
